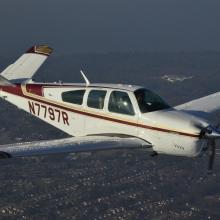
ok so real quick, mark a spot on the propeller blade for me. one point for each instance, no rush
(212, 145)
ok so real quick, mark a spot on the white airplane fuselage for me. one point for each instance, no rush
(168, 130)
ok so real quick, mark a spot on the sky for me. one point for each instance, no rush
(86, 26)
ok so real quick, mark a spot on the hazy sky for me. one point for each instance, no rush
(72, 26)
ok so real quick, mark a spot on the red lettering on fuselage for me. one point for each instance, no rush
(51, 113)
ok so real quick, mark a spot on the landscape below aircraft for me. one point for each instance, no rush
(106, 116)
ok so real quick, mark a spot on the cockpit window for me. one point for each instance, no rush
(119, 102)
(149, 101)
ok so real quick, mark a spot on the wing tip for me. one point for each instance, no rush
(40, 49)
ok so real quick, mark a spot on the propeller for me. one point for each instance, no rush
(212, 145)
(211, 133)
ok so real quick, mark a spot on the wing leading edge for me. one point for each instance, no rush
(71, 145)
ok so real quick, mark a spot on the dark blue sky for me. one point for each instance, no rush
(72, 26)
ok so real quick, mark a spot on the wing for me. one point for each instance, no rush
(69, 145)
(207, 107)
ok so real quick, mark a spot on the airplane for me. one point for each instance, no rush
(106, 116)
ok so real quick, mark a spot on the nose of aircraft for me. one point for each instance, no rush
(178, 121)
(186, 123)
(205, 131)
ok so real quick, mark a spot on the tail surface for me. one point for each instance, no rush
(28, 64)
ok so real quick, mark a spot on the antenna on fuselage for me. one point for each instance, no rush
(85, 78)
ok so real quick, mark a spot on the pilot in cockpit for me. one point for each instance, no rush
(149, 101)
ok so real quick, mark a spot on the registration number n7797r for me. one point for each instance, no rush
(54, 114)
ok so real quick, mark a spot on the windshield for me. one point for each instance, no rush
(149, 101)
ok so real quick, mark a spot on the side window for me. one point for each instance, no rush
(120, 102)
(75, 97)
(96, 99)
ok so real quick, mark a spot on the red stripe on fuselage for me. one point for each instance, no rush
(15, 90)
(18, 91)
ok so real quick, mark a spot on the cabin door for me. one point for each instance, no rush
(115, 115)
